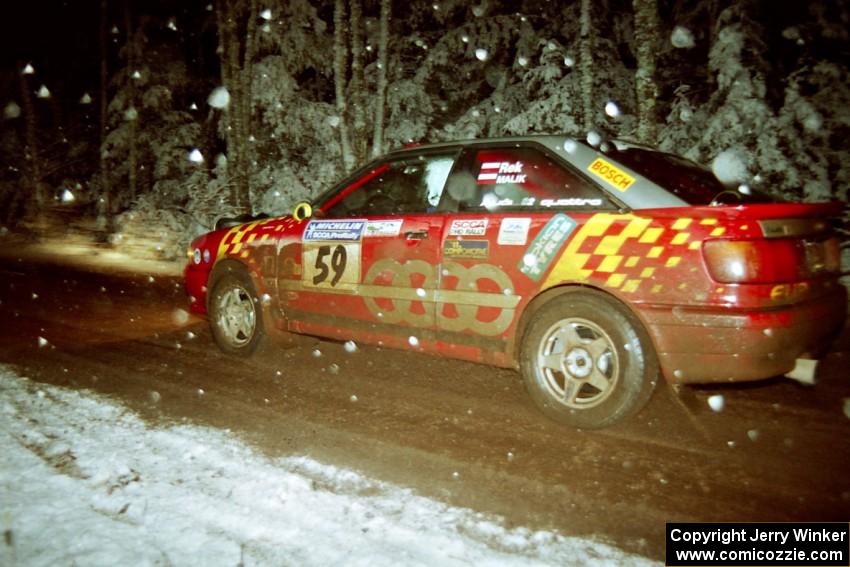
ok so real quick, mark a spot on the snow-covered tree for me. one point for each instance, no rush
(647, 46)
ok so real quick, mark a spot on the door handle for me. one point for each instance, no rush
(416, 235)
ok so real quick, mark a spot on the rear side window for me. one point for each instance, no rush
(520, 178)
(687, 180)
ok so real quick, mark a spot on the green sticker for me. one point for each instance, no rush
(535, 262)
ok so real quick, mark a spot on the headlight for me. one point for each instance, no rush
(196, 256)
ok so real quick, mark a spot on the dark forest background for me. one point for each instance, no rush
(148, 120)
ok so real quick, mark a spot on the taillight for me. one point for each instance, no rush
(763, 261)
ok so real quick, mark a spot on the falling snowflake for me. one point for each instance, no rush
(717, 402)
(28, 69)
(42, 342)
(569, 61)
(594, 138)
(353, 398)
(413, 341)
(481, 54)
(529, 260)
(136, 75)
(611, 109)
(266, 14)
(195, 156)
(682, 38)
(180, 316)
(219, 98)
(43, 92)
(131, 114)
(67, 196)
(350, 346)
(570, 146)
(729, 167)
(85, 99)
(12, 110)
(172, 23)
(523, 61)
(193, 106)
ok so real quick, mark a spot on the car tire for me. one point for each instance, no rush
(235, 313)
(587, 361)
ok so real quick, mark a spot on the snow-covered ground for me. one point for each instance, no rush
(84, 481)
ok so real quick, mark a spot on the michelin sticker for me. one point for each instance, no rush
(514, 232)
(535, 262)
(349, 230)
(383, 228)
(468, 227)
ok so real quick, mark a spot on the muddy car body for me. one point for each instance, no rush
(591, 270)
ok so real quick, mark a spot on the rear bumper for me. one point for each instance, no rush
(730, 345)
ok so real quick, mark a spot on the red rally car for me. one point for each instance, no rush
(591, 270)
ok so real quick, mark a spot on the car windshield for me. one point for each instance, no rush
(687, 180)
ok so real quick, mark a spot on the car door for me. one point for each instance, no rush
(514, 208)
(366, 266)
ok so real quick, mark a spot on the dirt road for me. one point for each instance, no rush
(461, 432)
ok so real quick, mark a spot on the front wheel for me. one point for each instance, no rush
(235, 314)
(586, 361)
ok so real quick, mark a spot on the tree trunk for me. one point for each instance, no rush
(132, 159)
(357, 82)
(381, 89)
(646, 91)
(237, 76)
(586, 65)
(31, 153)
(104, 96)
(340, 61)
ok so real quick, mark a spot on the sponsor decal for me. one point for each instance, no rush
(350, 230)
(468, 227)
(496, 172)
(469, 249)
(383, 228)
(572, 202)
(609, 173)
(535, 262)
(514, 232)
(331, 266)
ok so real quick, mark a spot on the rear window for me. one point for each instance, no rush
(687, 180)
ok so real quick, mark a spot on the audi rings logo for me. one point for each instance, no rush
(465, 297)
(400, 292)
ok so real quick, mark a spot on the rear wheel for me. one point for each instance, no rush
(586, 361)
(235, 314)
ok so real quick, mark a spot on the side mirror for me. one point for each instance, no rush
(302, 211)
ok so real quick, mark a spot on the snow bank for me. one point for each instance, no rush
(84, 481)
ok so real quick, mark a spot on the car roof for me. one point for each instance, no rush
(640, 194)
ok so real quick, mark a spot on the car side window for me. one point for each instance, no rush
(520, 178)
(404, 186)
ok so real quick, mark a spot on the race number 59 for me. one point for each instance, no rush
(331, 265)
